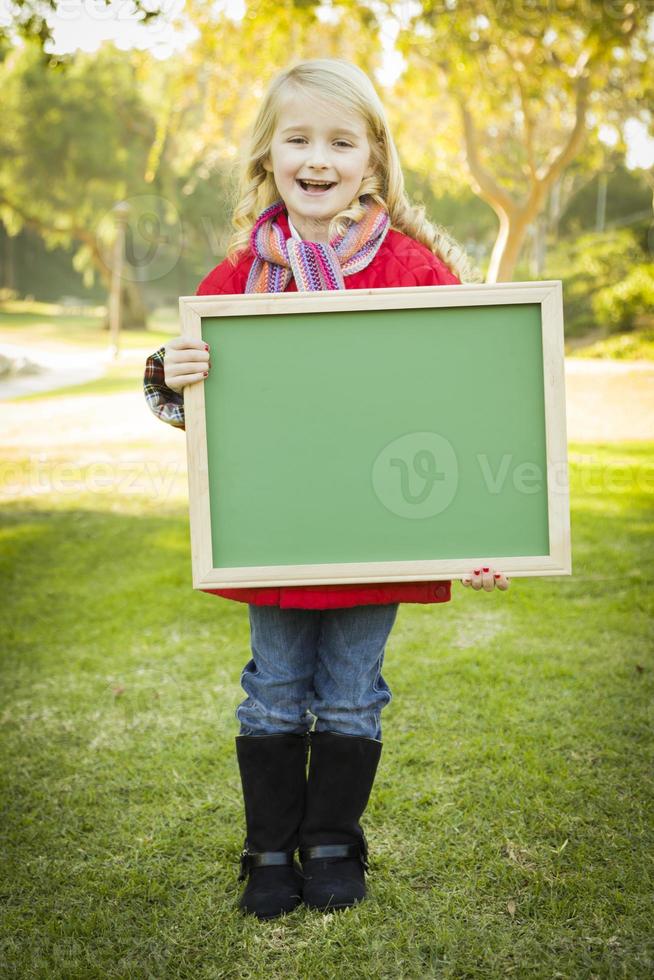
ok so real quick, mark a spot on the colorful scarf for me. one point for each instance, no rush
(314, 265)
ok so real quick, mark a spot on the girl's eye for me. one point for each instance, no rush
(295, 139)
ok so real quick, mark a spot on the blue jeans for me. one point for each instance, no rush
(316, 662)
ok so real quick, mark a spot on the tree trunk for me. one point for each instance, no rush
(8, 277)
(539, 243)
(515, 216)
(508, 244)
(133, 311)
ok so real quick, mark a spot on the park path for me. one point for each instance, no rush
(609, 401)
(58, 369)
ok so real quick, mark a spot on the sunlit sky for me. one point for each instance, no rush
(85, 24)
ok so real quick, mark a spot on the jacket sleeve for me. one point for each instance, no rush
(167, 405)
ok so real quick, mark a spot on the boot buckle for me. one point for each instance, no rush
(263, 859)
(323, 851)
(244, 867)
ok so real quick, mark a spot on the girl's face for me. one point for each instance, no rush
(316, 142)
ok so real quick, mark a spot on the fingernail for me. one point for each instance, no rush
(206, 374)
(485, 569)
(206, 346)
(477, 571)
(497, 575)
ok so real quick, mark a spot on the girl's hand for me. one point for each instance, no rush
(486, 578)
(185, 361)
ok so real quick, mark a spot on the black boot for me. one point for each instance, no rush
(273, 775)
(333, 847)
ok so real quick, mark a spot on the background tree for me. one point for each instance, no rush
(31, 21)
(487, 118)
(521, 90)
(72, 144)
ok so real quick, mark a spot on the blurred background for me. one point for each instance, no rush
(529, 135)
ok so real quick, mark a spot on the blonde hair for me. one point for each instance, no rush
(344, 85)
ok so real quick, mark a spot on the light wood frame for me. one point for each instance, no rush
(546, 293)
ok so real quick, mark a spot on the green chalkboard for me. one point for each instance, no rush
(376, 435)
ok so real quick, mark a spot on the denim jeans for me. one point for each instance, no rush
(322, 663)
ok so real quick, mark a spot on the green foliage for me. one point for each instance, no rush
(636, 345)
(521, 78)
(627, 194)
(589, 264)
(621, 306)
(122, 124)
(72, 144)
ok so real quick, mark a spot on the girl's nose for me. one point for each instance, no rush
(318, 157)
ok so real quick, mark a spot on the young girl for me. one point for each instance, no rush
(321, 205)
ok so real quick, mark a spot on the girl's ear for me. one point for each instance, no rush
(267, 165)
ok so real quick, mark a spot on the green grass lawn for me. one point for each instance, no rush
(510, 827)
(48, 324)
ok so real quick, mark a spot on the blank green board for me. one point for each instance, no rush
(376, 435)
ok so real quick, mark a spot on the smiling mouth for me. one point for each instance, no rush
(316, 187)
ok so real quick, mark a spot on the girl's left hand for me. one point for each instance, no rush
(486, 578)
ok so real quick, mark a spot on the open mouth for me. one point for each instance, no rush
(316, 187)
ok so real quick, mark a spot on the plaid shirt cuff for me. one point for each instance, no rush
(167, 405)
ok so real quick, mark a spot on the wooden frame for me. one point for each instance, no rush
(195, 311)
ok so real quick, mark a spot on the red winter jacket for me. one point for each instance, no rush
(400, 261)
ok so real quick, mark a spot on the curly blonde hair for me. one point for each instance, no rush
(344, 85)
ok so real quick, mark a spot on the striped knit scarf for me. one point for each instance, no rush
(314, 265)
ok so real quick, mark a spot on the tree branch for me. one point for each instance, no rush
(559, 161)
(489, 187)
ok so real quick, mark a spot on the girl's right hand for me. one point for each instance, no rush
(185, 361)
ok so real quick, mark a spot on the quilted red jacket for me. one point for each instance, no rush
(400, 261)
